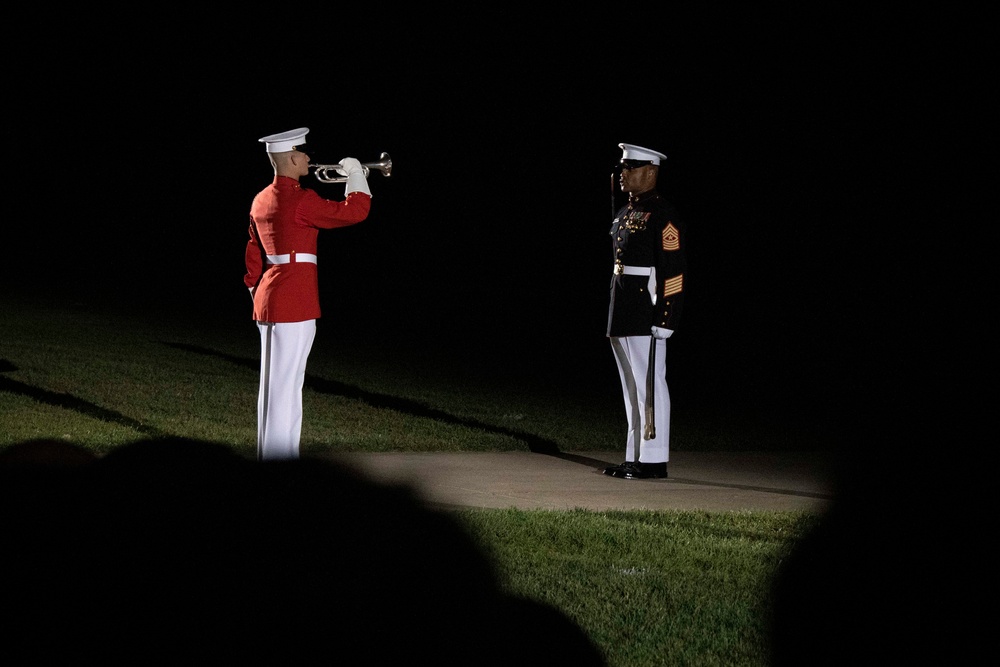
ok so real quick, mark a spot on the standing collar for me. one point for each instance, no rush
(642, 198)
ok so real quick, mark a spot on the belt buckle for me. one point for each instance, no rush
(619, 268)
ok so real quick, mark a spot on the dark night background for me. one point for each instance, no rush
(802, 150)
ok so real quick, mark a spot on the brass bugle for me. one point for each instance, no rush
(384, 165)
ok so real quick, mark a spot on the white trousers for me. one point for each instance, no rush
(284, 349)
(632, 356)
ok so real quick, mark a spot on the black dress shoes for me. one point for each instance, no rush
(633, 470)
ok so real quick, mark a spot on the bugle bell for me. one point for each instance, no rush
(327, 173)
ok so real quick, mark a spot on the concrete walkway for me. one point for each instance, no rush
(711, 481)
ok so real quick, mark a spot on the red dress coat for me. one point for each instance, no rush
(285, 218)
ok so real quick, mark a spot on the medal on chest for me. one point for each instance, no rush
(635, 221)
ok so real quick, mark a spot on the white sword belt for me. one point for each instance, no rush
(292, 258)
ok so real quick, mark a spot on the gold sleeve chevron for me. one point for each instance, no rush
(673, 285)
(671, 237)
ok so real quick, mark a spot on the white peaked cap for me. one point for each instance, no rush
(285, 141)
(633, 152)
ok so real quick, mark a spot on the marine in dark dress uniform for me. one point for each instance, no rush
(647, 289)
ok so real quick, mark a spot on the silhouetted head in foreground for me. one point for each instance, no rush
(177, 549)
(897, 570)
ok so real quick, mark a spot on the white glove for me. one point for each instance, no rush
(356, 180)
(350, 165)
(661, 333)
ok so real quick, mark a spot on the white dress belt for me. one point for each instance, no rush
(624, 269)
(632, 270)
(292, 258)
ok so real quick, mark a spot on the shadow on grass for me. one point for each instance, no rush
(385, 401)
(70, 402)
